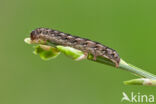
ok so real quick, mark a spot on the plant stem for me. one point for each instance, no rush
(141, 81)
(136, 70)
(46, 53)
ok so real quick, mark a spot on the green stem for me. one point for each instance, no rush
(136, 70)
(45, 53)
(141, 81)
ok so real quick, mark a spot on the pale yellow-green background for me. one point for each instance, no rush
(128, 26)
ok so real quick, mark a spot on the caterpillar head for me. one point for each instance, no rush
(33, 35)
(36, 36)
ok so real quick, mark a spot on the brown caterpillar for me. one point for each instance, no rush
(85, 45)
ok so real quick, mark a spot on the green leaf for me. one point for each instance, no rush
(46, 54)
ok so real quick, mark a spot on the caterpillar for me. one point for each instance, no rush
(85, 45)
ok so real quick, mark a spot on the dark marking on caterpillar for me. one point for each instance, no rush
(85, 45)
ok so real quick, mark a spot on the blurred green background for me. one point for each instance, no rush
(127, 26)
